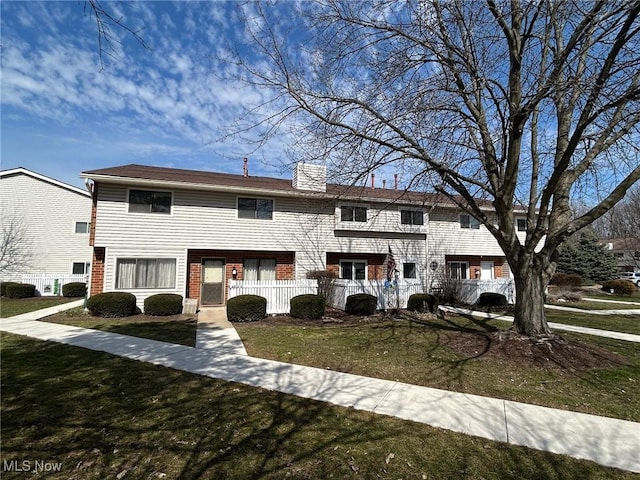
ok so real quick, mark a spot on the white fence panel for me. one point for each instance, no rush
(50, 284)
(277, 292)
(470, 290)
(387, 298)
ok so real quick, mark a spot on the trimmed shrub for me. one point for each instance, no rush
(307, 306)
(163, 304)
(621, 287)
(246, 308)
(74, 289)
(112, 304)
(3, 287)
(422, 302)
(21, 290)
(491, 299)
(566, 280)
(361, 304)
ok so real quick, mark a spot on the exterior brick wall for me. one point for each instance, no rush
(97, 271)
(285, 266)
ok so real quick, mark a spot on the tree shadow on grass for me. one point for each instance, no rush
(105, 417)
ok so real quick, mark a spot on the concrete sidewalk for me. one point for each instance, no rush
(607, 441)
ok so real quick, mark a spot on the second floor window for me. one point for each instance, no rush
(467, 221)
(353, 214)
(411, 217)
(147, 201)
(260, 208)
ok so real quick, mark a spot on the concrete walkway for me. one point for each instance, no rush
(627, 337)
(607, 441)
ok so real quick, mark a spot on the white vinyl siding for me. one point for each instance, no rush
(48, 213)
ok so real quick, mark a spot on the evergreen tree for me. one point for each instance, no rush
(587, 257)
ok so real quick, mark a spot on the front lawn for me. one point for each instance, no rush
(16, 306)
(614, 323)
(586, 374)
(179, 329)
(100, 416)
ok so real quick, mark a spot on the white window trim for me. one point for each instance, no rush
(115, 273)
(518, 220)
(424, 215)
(466, 263)
(355, 260)
(353, 205)
(253, 197)
(472, 222)
(74, 225)
(171, 208)
(87, 267)
(417, 267)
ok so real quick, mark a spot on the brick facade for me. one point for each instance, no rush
(375, 263)
(97, 271)
(285, 266)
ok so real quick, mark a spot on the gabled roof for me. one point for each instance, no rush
(44, 178)
(203, 180)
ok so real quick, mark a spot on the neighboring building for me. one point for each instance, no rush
(54, 220)
(627, 253)
(189, 232)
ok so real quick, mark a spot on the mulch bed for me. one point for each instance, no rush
(552, 352)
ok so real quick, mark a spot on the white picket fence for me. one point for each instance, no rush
(395, 297)
(277, 292)
(50, 284)
(470, 290)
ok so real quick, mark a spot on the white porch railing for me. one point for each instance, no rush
(470, 290)
(277, 292)
(399, 294)
(50, 284)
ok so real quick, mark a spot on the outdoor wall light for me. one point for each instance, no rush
(234, 272)
(433, 266)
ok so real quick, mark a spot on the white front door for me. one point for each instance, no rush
(487, 270)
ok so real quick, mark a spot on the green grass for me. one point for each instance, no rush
(418, 354)
(587, 305)
(102, 416)
(180, 329)
(16, 306)
(614, 323)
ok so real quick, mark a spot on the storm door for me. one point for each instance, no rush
(212, 289)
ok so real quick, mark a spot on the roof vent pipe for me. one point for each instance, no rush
(373, 180)
(384, 183)
(395, 181)
(245, 167)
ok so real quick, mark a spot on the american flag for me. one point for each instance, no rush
(391, 265)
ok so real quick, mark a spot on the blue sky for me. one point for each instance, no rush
(62, 113)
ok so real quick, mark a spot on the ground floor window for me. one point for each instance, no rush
(409, 270)
(353, 269)
(458, 270)
(80, 268)
(146, 273)
(259, 269)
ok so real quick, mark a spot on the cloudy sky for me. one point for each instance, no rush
(65, 111)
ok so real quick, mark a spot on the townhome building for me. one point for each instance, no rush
(45, 227)
(191, 232)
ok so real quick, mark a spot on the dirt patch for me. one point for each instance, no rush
(332, 318)
(547, 352)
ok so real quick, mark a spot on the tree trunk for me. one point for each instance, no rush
(531, 279)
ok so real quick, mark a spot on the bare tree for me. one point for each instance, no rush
(107, 23)
(508, 104)
(15, 247)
